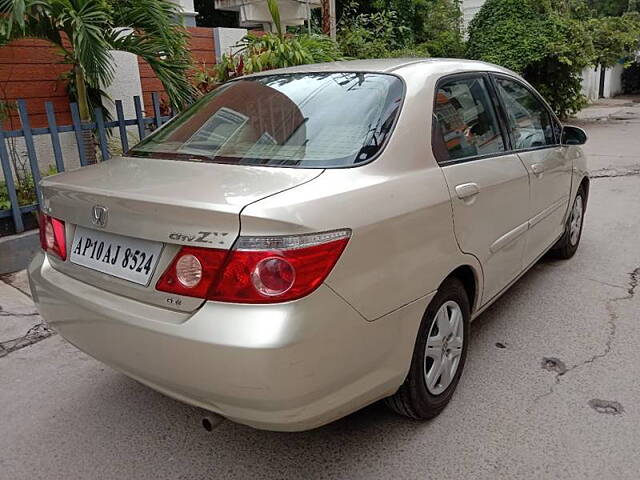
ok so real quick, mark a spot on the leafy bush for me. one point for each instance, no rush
(275, 50)
(614, 38)
(205, 79)
(370, 35)
(270, 51)
(440, 27)
(545, 43)
(414, 51)
(550, 43)
(391, 28)
(613, 7)
(26, 195)
(25, 190)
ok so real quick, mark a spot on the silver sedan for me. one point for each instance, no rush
(303, 242)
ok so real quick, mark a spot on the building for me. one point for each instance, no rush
(188, 11)
(254, 13)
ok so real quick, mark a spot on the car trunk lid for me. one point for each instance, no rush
(169, 202)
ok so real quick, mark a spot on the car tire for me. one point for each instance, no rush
(423, 395)
(568, 244)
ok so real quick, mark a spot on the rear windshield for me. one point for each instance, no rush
(312, 120)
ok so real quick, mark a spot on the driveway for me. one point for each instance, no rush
(551, 388)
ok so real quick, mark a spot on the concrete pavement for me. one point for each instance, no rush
(550, 389)
(607, 109)
(20, 323)
(614, 139)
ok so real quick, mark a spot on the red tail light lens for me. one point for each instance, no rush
(260, 269)
(254, 275)
(52, 236)
(273, 276)
(184, 277)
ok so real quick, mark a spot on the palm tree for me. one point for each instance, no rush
(84, 31)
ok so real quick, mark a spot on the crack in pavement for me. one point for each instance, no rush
(612, 285)
(35, 334)
(5, 313)
(632, 285)
(615, 173)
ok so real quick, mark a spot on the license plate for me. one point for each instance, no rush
(128, 258)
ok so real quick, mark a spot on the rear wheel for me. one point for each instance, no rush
(439, 355)
(569, 242)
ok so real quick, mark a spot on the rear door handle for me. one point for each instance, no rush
(537, 169)
(467, 190)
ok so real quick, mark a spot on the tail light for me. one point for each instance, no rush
(177, 278)
(257, 270)
(52, 236)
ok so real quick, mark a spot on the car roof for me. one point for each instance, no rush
(387, 65)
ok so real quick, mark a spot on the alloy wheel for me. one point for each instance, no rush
(443, 350)
(575, 223)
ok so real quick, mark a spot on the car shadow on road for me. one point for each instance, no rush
(146, 424)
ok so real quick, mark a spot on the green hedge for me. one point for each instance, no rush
(533, 38)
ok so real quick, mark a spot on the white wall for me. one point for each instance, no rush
(188, 11)
(44, 152)
(612, 82)
(591, 83)
(126, 84)
(226, 39)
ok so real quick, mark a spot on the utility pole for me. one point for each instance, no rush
(329, 18)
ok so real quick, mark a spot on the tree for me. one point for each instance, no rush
(544, 41)
(371, 34)
(400, 27)
(551, 42)
(85, 31)
(613, 8)
(440, 27)
(614, 38)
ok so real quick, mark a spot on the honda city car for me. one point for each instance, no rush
(303, 242)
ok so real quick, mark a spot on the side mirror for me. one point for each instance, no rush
(573, 136)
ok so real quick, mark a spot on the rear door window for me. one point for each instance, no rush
(530, 123)
(466, 124)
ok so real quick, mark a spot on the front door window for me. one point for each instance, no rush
(529, 120)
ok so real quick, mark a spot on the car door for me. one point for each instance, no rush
(535, 135)
(488, 185)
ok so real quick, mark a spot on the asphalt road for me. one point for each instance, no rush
(551, 388)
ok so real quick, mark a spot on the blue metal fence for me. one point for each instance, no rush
(99, 126)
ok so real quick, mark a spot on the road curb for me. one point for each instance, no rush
(17, 251)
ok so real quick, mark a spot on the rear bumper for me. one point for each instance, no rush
(289, 367)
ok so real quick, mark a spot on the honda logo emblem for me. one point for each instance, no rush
(99, 216)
